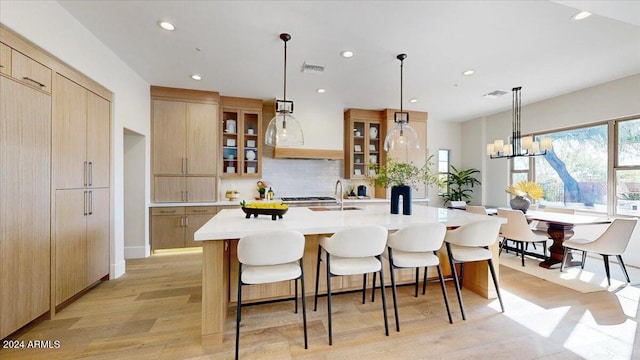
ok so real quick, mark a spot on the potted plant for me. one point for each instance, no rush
(460, 185)
(401, 177)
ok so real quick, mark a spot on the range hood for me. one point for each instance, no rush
(268, 112)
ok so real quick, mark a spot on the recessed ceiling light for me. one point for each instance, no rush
(414, 100)
(581, 15)
(468, 72)
(347, 54)
(321, 91)
(167, 26)
(196, 77)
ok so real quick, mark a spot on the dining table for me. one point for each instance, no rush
(560, 227)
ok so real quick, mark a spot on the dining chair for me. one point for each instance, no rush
(352, 251)
(470, 243)
(517, 229)
(415, 246)
(612, 242)
(271, 257)
(476, 209)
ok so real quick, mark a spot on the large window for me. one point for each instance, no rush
(578, 172)
(627, 170)
(574, 173)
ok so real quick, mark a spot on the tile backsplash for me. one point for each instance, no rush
(295, 177)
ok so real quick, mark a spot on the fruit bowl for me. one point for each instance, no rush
(275, 213)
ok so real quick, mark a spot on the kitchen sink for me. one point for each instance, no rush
(333, 208)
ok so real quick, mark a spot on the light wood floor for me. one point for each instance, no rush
(153, 312)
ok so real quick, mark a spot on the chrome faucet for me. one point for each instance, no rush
(339, 194)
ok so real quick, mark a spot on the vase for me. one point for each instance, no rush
(520, 203)
(405, 192)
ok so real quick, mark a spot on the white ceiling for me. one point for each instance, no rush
(533, 44)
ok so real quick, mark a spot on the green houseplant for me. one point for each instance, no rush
(401, 177)
(460, 184)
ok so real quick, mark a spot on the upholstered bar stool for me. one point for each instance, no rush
(470, 243)
(352, 251)
(271, 257)
(416, 246)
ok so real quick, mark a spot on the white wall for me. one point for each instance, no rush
(136, 227)
(612, 100)
(48, 25)
(446, 136)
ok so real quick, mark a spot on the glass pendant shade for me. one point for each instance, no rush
(402, 137)
(284, 130)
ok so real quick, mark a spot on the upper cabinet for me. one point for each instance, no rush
(81, 137)
(185, 144)
(241, 137)
(184, 137)
(24, 69)
(363, 139)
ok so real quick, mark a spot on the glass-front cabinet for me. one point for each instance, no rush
(241, 135)
(363, 142)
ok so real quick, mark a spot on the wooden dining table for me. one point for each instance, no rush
(560, 228)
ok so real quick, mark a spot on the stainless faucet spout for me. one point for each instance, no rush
(339, 194)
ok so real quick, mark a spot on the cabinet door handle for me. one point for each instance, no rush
(1, 66)
(199, 211)
(226, 245)
(85, 174)
(90, 202)
(182, 196)
(33, 81)
(167, 211)
(186, 221)
(90, 173)
(84, 206)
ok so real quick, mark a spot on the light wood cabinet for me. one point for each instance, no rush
(184, 189)
(25, 151)
(363, 140)
(30, 72)
(82, 240)
(81, 137)
(5, 59)
(241, 137)
(173, 227)
(184, 146)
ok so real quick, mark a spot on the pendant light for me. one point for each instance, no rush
(520, 146)
(402, 136)
(284, 130)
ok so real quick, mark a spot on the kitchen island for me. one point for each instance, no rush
(219, 233)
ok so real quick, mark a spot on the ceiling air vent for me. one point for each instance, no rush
(310, 68)
(495, 94)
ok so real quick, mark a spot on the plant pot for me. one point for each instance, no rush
(520, 203)
(405, 192)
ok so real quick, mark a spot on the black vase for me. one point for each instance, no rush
(405, 192)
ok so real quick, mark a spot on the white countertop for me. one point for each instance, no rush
(232, 224)
(237, 202)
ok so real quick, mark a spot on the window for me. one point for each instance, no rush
(443, 171)
(627, 169)
(577, 173)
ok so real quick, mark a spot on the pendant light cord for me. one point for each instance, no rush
(285, 69)
(401, 72)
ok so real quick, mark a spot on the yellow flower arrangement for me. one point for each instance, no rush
(528, 188)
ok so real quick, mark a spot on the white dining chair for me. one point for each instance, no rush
(271, 257)
(470, 243)
(612, 242)
(476, 209)
(353, 251)
(416, 246)
(517, 229)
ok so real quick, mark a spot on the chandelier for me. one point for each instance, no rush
(520, 145)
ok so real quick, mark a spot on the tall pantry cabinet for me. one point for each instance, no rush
(81, 161)
(25, 149)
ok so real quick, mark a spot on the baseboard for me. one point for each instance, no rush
(137, 252)
(117, 270)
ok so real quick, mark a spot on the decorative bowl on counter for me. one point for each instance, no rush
(275, 213)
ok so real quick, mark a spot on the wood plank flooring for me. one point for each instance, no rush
(153, 312)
